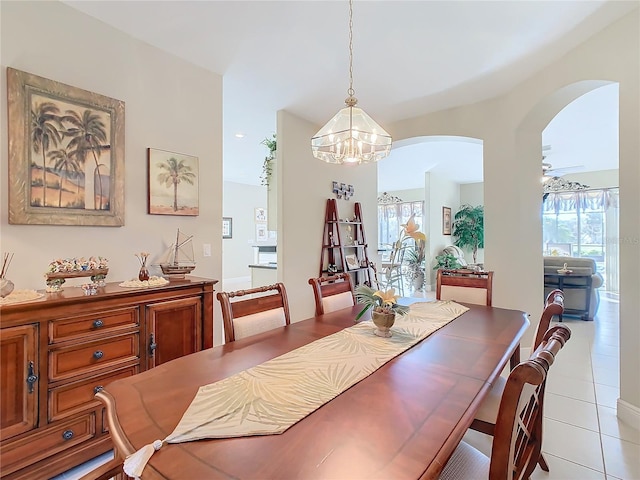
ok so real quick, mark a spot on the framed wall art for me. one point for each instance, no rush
(260, 215)
(261, 232)
(66, 154)
(173, 183)
(446, 220)
(227, 227)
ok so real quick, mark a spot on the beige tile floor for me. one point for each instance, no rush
(583, 439)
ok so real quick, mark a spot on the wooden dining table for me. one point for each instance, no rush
(401, 422)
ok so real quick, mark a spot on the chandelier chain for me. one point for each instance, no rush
(351, 91)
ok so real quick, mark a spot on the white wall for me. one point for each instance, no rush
(303, 189)
(512, 150)
(169, 104)
(239, 203)
(601, 179)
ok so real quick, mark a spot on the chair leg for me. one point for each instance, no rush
(543, 463)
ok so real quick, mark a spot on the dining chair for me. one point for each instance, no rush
(473, 287)
(332, 293)
(111, 470)
(517, 437)
(487, 414)
(392, 274)
(256, 314)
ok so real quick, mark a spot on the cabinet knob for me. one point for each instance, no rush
(97, 388)
(67, 434)
(98, 323)
(152, 345)
(98, 354)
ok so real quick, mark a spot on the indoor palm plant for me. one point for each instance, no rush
(384, 307)
(468, 226)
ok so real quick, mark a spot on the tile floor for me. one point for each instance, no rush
(583, 439)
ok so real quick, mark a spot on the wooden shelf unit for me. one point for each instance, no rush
(58, 351)
(344, 240)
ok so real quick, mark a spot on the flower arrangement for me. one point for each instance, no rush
(142, 257)
(71, 265)
(379, 301)
(412, 230)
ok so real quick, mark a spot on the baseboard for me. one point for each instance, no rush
(629, 414)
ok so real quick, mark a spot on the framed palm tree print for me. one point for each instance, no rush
(66, 154)
(173, 183)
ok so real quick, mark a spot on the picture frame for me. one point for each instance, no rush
(446, 220)
(227, 227)
(260, 215)
(68, 169)
(261, 232)
(173, 180)
(351, 261)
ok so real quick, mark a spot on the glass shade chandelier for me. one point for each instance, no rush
(351, 136)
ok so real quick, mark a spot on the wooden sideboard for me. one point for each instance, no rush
(58, 351)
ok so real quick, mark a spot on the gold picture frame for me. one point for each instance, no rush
(173, 183)
(66, 154)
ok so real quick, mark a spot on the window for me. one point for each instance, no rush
(579, 223)
(392, 216)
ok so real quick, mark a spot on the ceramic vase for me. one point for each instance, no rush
(383, 323)
(6, 287)
(143, 274)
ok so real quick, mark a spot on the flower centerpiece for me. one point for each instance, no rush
(414, 257)
(384, 307)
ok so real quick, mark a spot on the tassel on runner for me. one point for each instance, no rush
(134, 464)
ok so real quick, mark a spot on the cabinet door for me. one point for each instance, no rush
(174, 329)
(18, 379)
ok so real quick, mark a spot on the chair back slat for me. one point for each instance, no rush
(253, 306)
(476, 288)
(325, 287)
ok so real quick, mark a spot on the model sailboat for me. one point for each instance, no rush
(179, 259)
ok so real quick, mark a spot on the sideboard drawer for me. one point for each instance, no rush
(77, 396)
(85, 326)
(64, 435)
(66, 362)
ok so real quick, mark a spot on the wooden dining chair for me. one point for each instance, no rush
(517, 437)
(256, 314)
(487, 414)
(332, 293)
(473, 287)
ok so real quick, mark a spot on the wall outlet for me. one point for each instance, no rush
(206, 249)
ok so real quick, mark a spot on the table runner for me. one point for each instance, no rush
(271, 397)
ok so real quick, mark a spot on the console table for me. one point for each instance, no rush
(557, 280)
(61, 349)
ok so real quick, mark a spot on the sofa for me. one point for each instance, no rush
(574, 298)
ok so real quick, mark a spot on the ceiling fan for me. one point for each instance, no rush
(549, 171)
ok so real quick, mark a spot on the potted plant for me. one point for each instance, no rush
(468, 226)
(384, 307)
(447, 261)
(267, 164)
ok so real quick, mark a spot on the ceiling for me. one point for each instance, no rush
(410, 58)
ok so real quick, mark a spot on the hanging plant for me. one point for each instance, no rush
(267, 165)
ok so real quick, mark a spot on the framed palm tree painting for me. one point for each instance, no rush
(173, 183)
(66, 154)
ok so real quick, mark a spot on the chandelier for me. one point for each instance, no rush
(351, 136)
